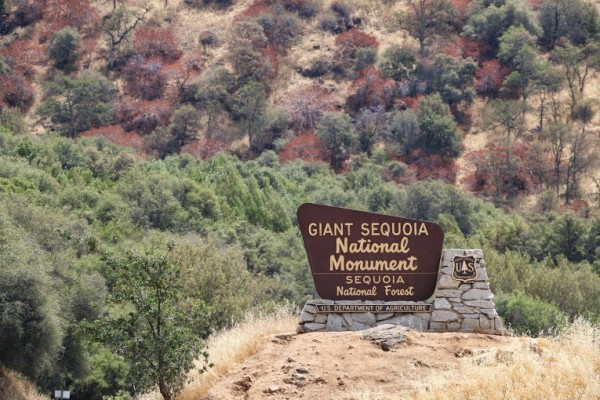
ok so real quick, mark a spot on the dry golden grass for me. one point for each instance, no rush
(564, 367)
(230, 348)
(15, 387)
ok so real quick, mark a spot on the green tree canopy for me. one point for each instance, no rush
(577, 20)
(439, 132)
(154, 336)
(426, 19)
(63, 49)
(78, 104)
(398, 63)
(338, 133)
(489, 20)
(453, 79)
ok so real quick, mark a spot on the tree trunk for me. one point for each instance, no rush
(164, 390)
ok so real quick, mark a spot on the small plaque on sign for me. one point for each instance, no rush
(378, 308)
(464, 269)
(356, 255)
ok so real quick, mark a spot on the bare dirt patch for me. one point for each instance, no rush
(335, 365)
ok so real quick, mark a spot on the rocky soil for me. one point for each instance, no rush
(333, 365)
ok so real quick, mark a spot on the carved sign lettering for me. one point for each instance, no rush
(360, 255)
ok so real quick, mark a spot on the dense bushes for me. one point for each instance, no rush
(527, 315)
(238, 218)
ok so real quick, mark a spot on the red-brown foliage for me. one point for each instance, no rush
(307, 147)
(535, 4)
(271, 53)
(356, 38)
(156, 42)
(347, 42)
(407, 102)
(204, 148)
(15, 87)
(255, 9)
(489, 77)
(117, 135)
(581, 208)
(371, 90)
(423, 166)
(189, 65)
(22, 55)
(144, 78)
(75, 13)
(462, 47)
(142, 116)
(15, 91)
(461, 6)
(494, 176)
(306, 107)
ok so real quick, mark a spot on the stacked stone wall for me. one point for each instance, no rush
(455, 306)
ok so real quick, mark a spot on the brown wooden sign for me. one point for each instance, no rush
(360, 255)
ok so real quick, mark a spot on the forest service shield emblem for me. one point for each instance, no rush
(464, 269)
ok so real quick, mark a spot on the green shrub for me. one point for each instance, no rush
(527, 314)
(63, 49)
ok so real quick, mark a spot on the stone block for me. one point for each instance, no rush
(313, 302)
(310, 308)
(441, 304)
(448, 293)
(480, 303)
(470, 324)
(387, 336)
(478, 294)
(321, 318)
(464, 310)
(498, 324)
(357, 326)
(443, 316)
(448, 254)
(437, 326)
(364, 318)
(335, 323)
(481, 285)
(312, 326)
(465, 286)
(405, 303)
(482, 275)
(490, 313)
(306, 316)
(447, 282)
(383, 316)
(407, 320)
(485, 322)
(348, 318)
(447, 270)
(453, 326)
(423, 316)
